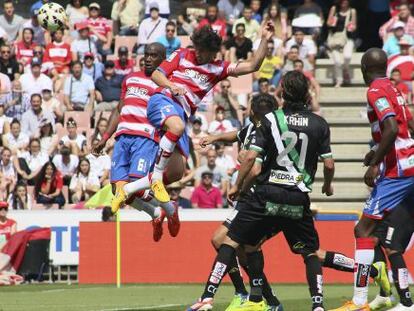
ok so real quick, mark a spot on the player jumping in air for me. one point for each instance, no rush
(184, 79)
(390, 173)
(137, 140)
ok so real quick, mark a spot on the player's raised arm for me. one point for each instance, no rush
(229, 137)
(255, 62)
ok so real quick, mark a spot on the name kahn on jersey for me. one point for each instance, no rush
(136, 91)
(196, 75)
(296, 120)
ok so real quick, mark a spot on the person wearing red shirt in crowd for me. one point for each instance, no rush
(58, 52)
(206, 195)
(23, 49)
(100, 28)
(49, 184)
(215, 23)
(401, 86)
(8, 226)
(404, 62)
(123, 65)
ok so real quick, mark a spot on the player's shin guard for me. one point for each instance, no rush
(315, 280)
(219, 270)
(236, 278)
(255, 261)
(364, 256)
(400, 276)
(167, 146)
(338, 261)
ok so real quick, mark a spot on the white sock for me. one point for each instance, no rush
(137, 185)
(167, 146)
(140, 205)
(364, 257)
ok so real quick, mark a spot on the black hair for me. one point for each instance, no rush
(72, 121)
(30, 29)
(78, 169)
(107, 213)
(207, 39)
(5, 149)
(261, 80)
(16, 201)
(14, 121)
(241, 25)
(295, 92)
(35, 95)
(170, 23)
(295, 46)
(41, 177)
(7, 2)
(219, 145)
(75, 62)
(262, 104)
(298, 61)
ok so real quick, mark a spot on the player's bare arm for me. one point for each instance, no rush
(328, 175)
(159, 78)
(229, 137)
(248, 163)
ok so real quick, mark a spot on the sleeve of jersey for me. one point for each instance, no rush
(228, 69)
(408, 113)
(123, 89)
(382, 106)
(259, 141)
(325, 151)
(171, 63)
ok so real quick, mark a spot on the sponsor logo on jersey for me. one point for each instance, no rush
(284, 178)
(136, 92)
(196, 75)
(382, 104)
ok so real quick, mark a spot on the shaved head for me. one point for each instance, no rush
(154, 54)
(373, 64)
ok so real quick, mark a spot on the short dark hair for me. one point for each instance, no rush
(14, 121)
(7, 2)
(261, 80)
(35, 95)
(219, 145)
(241, 25)
(28, 28)
(5, 149)
(206, 38)
(262, 104)
(295, 88)
(75, 62)
(298, 61)
(107, 213)
(170, 23)
(294, 47)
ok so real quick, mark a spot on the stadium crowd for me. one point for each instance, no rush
(57, 89)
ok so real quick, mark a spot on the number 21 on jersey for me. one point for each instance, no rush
(291, 139)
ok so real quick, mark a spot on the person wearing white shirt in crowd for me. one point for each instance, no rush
(66, 164)
(163, 5)
(8, 175)
(20, 199)
(35, 81)
(75, 141)
(38, 31)
(85, 43)
(83, 184)
(100, 165)
(4, 122)
(151, 28)
(16, 140)
(10, 22)
(223, 159)
(307, 47)
(230, 10)
(48, 139)
(220, 125)
(33, 117)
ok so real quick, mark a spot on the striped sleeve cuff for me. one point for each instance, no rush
(259, 160)
(162, 71)
(326, 155)
(256, 148)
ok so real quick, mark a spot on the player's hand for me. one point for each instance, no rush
(327, 189)
(268, 31)
(233, 193)
(97, 150)
(177, 90)
(370, 175)
(368, 157)
(205, 141)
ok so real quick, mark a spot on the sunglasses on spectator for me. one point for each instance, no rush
(170, 30)
(91, 9)
(5, 52)
(4, 208)
(37, 52)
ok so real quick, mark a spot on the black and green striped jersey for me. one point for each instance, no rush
(245, 135)
(291, 143)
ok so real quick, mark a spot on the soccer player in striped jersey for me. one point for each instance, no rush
(137, 140)
(184, 79)
(391, 174)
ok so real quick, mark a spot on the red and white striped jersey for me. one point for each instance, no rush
(24, 52)
(182, 69)
(136, 90)
(100, 24)
(58, 52)
(384, 101)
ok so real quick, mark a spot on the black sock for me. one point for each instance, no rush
(236, 278)
(400, 275)
(219, 270)
(268, 294)
(256, 264)
(314, 277)
(339, 262)
(379, 255)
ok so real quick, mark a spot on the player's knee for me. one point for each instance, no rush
(175, 126)
(216, 241)
(390, 252)
(306, 255)
(360, 231)
(321, 255)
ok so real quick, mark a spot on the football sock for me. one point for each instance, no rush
(219, 270)
(338, 261)
(400, 276)
(379, 255)
(364, 256)
(268, 294)
(315, 281)
(167, 146)
(236, 278)
(148, 208)
(255, 261)
(137, 185)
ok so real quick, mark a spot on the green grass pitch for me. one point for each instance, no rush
(175, 297)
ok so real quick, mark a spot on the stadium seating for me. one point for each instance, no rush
(128, 41)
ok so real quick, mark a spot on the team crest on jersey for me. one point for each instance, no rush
(136, 91)
(382, 104)
(196, 75)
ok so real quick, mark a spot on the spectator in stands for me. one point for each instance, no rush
(220, 177)
(38, 4)
(19, 198)
(18, 103)
(8, 226)
(271, 68)
(52, 104)
(108, 88)
(251, 26)
(151, 28)
(78, 90)
(76, 12)
(48, 187)
(16, 140)
(314, 13)
(8, 65)
(228, 100)
(127, 13)
(29, 163)
(206, 195)
(123, 65)
(66, 163)
(48, 139)
(100, 29)
(84, 43)
(212, 19)
(240, 47)
(255, 7)
(4, 122)
(5, 91)
(8, 174)
(23, 49)
(307, 47)
(58, 52)
(230, 10)
(220, 125)
(91, 67)
(314, 87)
(83, 184)
(404, 16)
(280, 23)
(73, 140)
(264, 86)
(404, 62)
(164, 8)
(47, 68)
(223, 159)
(196, 134)
(392, 44)
(342, 22)
(10, 22)
(170, 41)
(100, 165)
(292, 56)
(34, 81)
(401, 86)
(38, 31)
(33, 117)
(174, 191)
